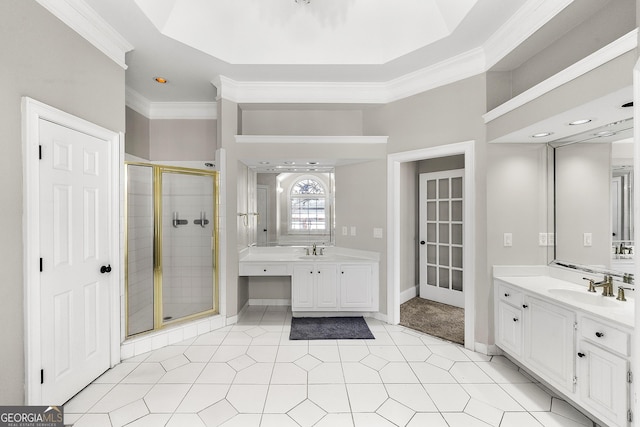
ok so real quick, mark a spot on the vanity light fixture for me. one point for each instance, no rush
(579, 122)
(541, 134)
(303, 1)
(160, 80)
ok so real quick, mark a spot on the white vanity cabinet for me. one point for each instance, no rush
(603, 352)
(314, 286)
(326, 286)
(548, 338)
(537, 333)
(574, 349)
(355, 286)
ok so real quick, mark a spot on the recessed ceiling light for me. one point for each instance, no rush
(541, 134)
(312, 163)
(161, 80)
(579, 122)
(289, 163)
(604, 133)
(264, 163)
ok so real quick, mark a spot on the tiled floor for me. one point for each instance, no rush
(251, 374)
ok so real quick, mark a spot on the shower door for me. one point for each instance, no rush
(171, 245)
(187, 244)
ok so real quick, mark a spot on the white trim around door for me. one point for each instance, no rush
(393, 225)
(32, 113)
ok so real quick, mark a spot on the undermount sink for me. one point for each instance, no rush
(585, 297)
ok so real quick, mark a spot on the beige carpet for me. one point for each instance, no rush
(440, 320)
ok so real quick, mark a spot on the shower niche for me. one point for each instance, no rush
(171, 246)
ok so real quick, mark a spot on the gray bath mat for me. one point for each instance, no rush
(329, 328)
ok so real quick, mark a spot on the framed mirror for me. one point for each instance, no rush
(295, 208)
(593, 200)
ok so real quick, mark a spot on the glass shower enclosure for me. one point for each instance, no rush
(171, 245)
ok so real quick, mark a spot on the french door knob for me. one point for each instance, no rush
(105, 269)
(581, 354)
(599, 334)
(422, 242)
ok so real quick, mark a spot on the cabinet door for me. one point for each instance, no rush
(602, 381)
(355, 286)
(509, 329)
(326, 289)
(549, 342)
(302, 286)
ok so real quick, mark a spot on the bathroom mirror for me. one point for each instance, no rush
(295, 208)
(594, 199)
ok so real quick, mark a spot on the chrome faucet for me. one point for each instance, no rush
(606, 285)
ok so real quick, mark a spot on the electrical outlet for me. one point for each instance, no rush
(507, 240)
(551, 239)
(587, 239)
(543, 239)
(377, 233)
(344, 230)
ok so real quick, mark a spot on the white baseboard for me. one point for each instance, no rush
(256, 301)
(379, 316)
(408, 294)
(489, 350)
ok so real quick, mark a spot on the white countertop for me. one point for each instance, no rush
(298, 254)
(571, 294)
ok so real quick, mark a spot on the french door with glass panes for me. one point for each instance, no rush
(440, 210)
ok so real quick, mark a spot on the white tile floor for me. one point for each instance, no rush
(251, 374)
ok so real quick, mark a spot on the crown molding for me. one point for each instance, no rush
(456, 68)
(310, 139)
(611, 51)
(81, 18)
(170, 110)
(526, 21)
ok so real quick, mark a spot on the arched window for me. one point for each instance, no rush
(307, 206)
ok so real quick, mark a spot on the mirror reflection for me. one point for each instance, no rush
(295, 208)
(594, 198)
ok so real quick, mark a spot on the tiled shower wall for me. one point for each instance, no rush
(140, 248)
(187, 261)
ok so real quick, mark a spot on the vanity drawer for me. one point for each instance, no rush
(264, 270)
(509, 295)
(604, 335)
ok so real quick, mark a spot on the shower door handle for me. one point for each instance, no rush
(105, 269)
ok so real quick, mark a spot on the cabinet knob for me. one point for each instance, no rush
(506, 295)
(525, 306)
(515, 319)
(599, 334)
(265, 270)
(581, 355)
(422, 242)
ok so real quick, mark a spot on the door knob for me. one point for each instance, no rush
(422, 242)
(105, 269)
(581, 354)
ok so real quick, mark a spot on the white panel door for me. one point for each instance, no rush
(263, 215)
(441, 230)
(74, 242)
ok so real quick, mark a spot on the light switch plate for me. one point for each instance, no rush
(543, 239)
(353, 230)
(587, 239)
(344, 230)
(507, 240)
(377, 233)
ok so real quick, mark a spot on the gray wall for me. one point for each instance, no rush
(138, 140)
(44, 59)
(170, 139)
(444, 115)
(301, 122)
